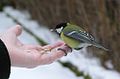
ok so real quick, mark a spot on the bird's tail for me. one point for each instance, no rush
(99, 46)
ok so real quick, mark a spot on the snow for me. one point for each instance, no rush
(91, 66)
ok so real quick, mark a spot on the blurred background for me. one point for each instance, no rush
(101, 18)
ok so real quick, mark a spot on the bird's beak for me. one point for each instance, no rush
(52, 30)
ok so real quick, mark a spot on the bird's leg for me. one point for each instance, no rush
(69, 47)
(66, 49)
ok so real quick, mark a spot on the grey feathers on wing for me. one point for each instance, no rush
(84, 37)
(81, 36)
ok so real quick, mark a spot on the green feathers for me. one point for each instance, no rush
(71, 42)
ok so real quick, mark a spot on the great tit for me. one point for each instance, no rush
(76, 37)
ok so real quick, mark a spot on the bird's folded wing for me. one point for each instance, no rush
(78, 36)
(85, 39)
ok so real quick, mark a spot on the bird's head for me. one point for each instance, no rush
(58, 29)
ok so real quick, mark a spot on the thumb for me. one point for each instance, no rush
(17, 30)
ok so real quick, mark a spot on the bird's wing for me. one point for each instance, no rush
(81, 36)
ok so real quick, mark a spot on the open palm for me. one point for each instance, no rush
(24, 55)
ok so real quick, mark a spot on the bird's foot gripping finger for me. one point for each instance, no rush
(69, 48)
(65, 49)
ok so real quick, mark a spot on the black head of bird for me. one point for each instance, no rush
(59, 28)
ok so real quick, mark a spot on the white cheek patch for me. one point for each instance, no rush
(59, 29)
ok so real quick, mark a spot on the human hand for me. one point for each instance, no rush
(24, 55)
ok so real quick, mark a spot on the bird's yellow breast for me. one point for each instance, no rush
(70, 41)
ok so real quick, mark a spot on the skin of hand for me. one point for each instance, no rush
(24, 55)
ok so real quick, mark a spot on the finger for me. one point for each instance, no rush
(63, 49)
(54, 45)
(17, 30)
(55, 54)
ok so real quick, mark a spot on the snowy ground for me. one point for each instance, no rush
(90, 66)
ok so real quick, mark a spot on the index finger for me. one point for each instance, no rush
(55, 54)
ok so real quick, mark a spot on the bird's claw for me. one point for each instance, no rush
(70, 49)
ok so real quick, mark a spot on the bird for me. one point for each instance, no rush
(76, 37)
